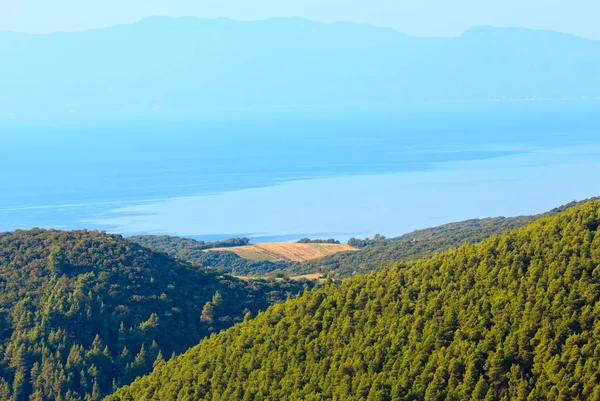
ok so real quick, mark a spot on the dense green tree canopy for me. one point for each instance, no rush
(317, 241)
(185, 248)
(83, 312)
(516, 317)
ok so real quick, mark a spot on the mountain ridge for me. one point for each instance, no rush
(188, 66)
(163, 18)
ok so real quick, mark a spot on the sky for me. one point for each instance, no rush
(413, 17)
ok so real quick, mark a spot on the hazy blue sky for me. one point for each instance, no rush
(416, 17)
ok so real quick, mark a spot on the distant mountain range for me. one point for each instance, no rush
(190, 65)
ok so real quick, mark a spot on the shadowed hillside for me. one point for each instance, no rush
(82, 312)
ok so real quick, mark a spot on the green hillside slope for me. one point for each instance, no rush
(515, 317)
(380, 251)
(83, 312)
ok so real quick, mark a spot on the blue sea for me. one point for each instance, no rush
(281, 176)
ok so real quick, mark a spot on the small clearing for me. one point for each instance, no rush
(286, 251)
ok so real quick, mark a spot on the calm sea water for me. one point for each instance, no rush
(344, 173)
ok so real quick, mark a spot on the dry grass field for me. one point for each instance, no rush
(288, 251)
(312, 276)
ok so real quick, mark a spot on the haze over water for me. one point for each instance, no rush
(339, 173)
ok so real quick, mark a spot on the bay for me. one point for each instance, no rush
(342, 173)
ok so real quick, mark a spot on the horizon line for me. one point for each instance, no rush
(250, 21)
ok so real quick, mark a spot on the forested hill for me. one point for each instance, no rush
(184, 248)
(83, 312)
(380, 251)
(514, 317)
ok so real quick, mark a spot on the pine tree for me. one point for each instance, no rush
(208, 313)
(20, 388)
(159, 360)
(4, 390)
(480, 391)
(217, 299)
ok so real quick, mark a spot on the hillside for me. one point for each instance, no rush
(286, 251)
(514, 317)
(188, 66)
(372, 254)
(83, 312)
(380, 251)
(193, 251)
